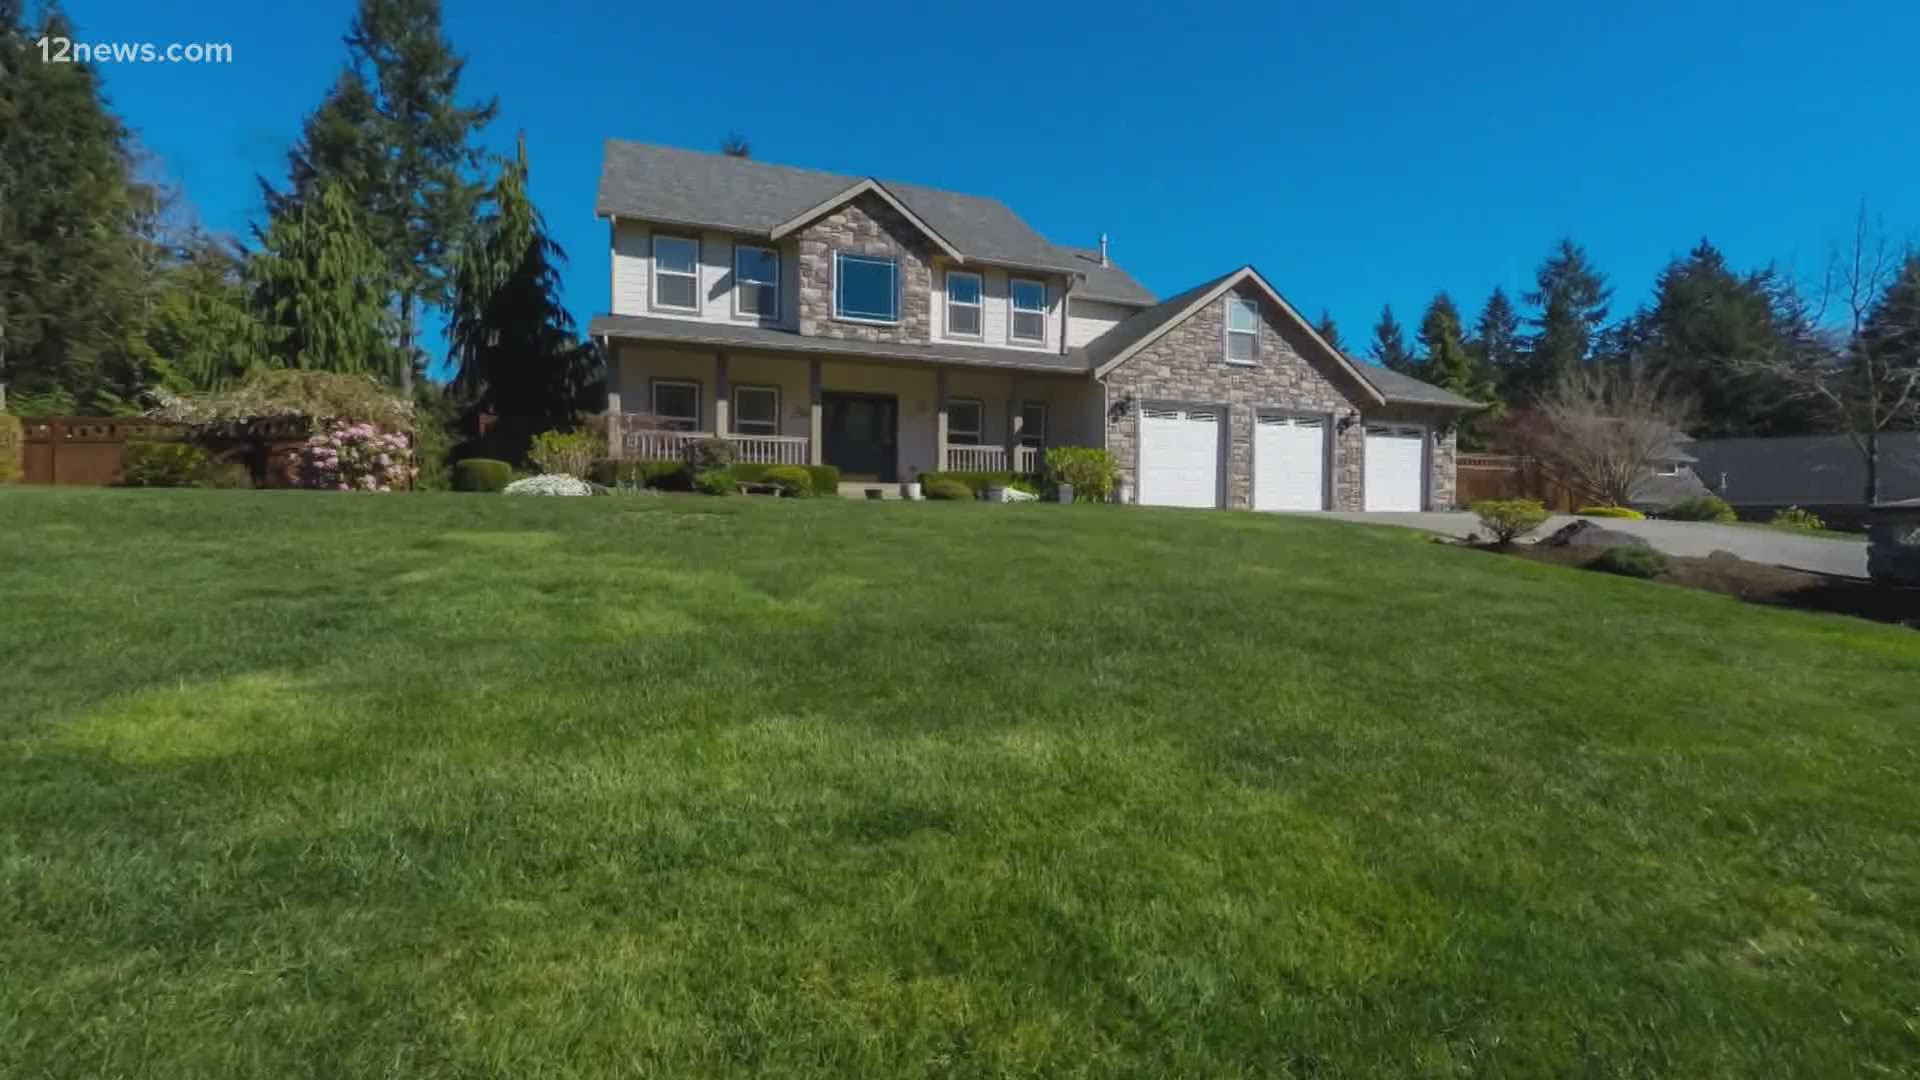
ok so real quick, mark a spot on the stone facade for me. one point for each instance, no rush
(865, 226)
(1188, 364)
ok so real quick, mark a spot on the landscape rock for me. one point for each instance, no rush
(1585, 533)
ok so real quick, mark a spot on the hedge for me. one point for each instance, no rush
(161, 464)
(12, 448)
(826, 478)
(481, 474)
(678, 476)
(977, 482)
(1626, 513)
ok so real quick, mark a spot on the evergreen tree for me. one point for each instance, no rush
(392, 132)
(1572, 299)
(316, 286)
(515, 349)
(1450, 366)
(72, 252)
(1390, 344)
(204, 329)
(1496, 338)
(1330, 330)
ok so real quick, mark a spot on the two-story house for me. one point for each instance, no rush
(892, 329)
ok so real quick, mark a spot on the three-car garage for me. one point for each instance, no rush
(1185, 455)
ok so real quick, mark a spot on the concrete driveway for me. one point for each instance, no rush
(1697, 539)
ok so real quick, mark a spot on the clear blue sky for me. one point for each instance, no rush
(1357, 154)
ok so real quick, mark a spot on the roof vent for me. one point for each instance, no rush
(1103, 249)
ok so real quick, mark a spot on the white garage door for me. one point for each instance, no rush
(1180, 457)
(1289, 463)
(1394, 459)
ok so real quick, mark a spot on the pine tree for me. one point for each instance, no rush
(1389, 347)
(515, 349)
(1572, 299)
(204, 329)
(317, 292)
(1450, 366)
(72, 251)
(1496, 338)
(1329, 330)
(392, 132)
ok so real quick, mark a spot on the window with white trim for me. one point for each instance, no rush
(1243, 331)
(963, 304)
(756, 281)
(964, 418)
(1033, 424)
(676, 404)
(756, 410)
(676, 272)
(1667, 468)
(866, 287)
(1029, 310)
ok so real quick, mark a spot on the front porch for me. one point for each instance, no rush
(876, 422)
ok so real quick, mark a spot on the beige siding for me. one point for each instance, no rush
(1088, 319)
(630, 261)
(996, 316)
(633, 263)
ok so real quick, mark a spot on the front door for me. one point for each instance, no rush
(860, 435)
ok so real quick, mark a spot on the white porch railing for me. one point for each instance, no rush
(992, 459)
(653, 444)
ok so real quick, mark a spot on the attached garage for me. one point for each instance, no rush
(1180, 455)
(1289, 462)
(1396, 464)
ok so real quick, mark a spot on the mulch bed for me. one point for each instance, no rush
(1756, 583)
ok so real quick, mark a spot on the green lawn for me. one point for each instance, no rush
(316, 785)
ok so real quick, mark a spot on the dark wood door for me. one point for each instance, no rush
(860, 434)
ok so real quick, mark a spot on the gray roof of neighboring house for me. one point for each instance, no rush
(1661, 492)
(686, 187)
(1806, 470)
(743, 336)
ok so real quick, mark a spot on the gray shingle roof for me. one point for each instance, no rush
(1806, 470)
(1401, 389)
(686, 187)
(723, 335)
(1109, 282)
(1122, 337)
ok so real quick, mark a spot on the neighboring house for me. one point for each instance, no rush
(892, 330)
(1826, 474)
(1673, 479)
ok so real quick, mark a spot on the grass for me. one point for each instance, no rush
(312, 785)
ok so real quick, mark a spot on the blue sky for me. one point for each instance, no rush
(1356, 153)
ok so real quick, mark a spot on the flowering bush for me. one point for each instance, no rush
(357, 457)
(549, 484)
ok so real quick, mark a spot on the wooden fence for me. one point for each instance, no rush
(83, 451)
(1500, 476)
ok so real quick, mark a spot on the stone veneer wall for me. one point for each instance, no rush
(866, 226)
(1187, 364)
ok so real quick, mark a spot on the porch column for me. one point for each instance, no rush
(940, 419)
(722, 395)
(1013, 423)
(816, 452)
(614, 446)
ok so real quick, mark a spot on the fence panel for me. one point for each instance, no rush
(84, 451)
(1499, 476)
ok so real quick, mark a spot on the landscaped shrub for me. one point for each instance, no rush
(706, 455)
(1632, 560)
(481, 474)
(274, 393)
(1795, 518)
(792, 480)
(824, 478)
(945, 488)
(433, 442)
(566, 453)
(1088, 469)
(715, 482)
(357, 457)
(976, 482)
(229, 475)
(161, 464)
(13, 446)
(1702, 508)
(1508, 519)
(1625, 512)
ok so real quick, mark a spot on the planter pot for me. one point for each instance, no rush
(910, 492)
(996, 494)
(1064, 493)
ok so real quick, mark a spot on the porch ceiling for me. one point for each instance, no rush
(667, 331)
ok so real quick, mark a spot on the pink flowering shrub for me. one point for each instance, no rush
(357, 457)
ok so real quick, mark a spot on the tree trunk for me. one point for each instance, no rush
(406, 344)
(1873, 467)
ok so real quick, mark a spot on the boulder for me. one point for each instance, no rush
(1585, 533)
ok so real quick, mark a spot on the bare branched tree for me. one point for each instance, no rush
(1859, 362)
(1603, 428)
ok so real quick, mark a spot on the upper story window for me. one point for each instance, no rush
(756, 281)
(866, 287)
(676, 272)
(963, 304)
(1029, 310)
(1243, 331)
